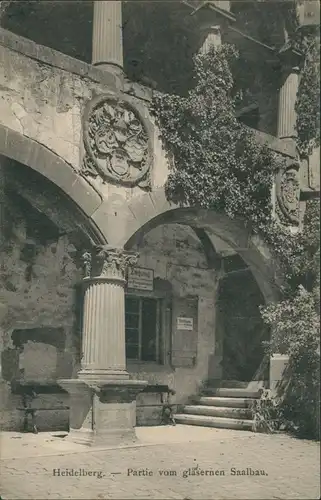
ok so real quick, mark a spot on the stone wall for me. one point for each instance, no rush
(39, 340)
(45, 102)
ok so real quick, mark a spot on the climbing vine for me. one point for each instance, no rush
(217, 163)
(308, 98)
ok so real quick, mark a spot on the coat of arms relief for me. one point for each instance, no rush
(117, 142)
(288, 193)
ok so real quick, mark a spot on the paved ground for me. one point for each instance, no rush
(30, 467)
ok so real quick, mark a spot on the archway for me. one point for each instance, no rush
(81, 196)
(153, 211)
(48, 225)
(150, 210)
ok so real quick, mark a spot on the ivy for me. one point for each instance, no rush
(308, 98)
(295, 325)
(218, 162)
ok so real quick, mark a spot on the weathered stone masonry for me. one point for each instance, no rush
(88, 132)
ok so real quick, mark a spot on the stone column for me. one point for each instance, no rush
(103, 398)
(103, 344)
(107, 43)
(286, 122)
(212, 38)
(223, 4)
(287, 99)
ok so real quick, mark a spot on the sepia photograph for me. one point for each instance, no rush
(160, 249)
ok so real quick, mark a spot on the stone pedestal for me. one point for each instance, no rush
(107, 43)
(103, 398)
(102, 413)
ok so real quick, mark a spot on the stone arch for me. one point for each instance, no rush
(84, 198)
(151, 209)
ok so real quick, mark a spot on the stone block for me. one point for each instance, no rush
(278, 372)
(102, 413)
(148, 415)
(11, 420)
(80, 401)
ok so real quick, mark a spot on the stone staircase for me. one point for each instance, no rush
(224, 407)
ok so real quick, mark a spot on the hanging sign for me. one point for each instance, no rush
(140, 278)
(185, 323)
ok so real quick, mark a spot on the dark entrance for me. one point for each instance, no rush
(242, 326)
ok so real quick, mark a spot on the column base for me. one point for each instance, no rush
(102, 412)
(91, 438)
(114, 70)
(96, 374)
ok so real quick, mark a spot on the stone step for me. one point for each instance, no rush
(219, 422)
(218, 411)
(234, 384)
(226, 402)
(227, 384)
(226, 392)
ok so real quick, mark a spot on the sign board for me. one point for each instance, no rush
(185, 323)
(140, 278)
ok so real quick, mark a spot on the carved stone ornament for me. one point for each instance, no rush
(86, 259)
(288, 193)
(108, 262)
(117, 142)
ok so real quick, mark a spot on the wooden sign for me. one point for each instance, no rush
(140, 278)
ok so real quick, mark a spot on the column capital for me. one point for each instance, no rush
(290, 69)
(108, 263)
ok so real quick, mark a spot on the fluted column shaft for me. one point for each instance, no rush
(107, 43)
(103, 342)
(103, 329)
(287, 99)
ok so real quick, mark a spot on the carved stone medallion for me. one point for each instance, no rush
(117, 142)
(288, 193)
